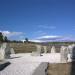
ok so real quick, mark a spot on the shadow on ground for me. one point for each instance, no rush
(3, 66)
(73, 62)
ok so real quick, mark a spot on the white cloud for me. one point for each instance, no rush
(9, 34)
(46, 38)
(49, 36)
(40, 32)
(47, 27)
(22, 37)
(35, 40)
(52, 38)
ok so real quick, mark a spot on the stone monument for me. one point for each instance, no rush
(53, 50)
(37, 52)
(45, 49)
(64, 54)
(12, 51)
(4, 51)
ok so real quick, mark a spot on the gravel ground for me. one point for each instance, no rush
(25, 64)
(20, 66)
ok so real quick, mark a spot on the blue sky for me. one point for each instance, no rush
(37, 18)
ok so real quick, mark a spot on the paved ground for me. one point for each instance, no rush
(47, 57)
(20, 66)
(51, 58)
(25, 64)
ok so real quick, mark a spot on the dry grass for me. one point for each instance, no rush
(29, 47)
(23, 47)
(61, 69)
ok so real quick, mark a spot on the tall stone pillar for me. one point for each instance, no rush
(53, 50)
(38, 51)
(45, 49)
(64, 54)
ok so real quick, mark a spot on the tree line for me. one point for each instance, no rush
(5, 39)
